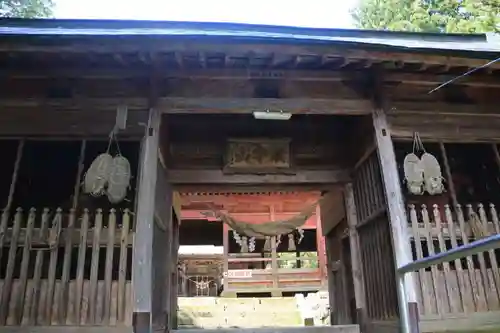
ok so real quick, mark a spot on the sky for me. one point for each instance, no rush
(309, 13)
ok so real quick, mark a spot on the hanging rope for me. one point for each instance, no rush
(272, 228)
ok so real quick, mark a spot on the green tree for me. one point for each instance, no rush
(451, 16)
(26, 8)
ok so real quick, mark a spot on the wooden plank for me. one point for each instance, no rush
(9, 272)
(51, 284)
(175, 272)
(109, 266)
(122, 267)
(452, 295)
(23, 275)
(225, 263)
(469, 126)
(402, 108)
(471, 322)
(6, 213)
(217, 177)
(37, 273)
(64, 283)
(65, 329)
(80, 269)
(94, 267)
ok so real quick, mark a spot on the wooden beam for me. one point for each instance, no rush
(217, 177)
(433, 108)
(321, 247)
(173, 105)
(210, 105)
(241, 74)
(225, 256)
(252, 198)
(233, 47)
(249, 105)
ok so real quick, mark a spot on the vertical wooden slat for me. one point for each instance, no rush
(122, 269)
(476, 287)
(451, 295)
(368, 191)
(225, 264)
(64, 285)
(464, 284)
(11, 263)
(274, 254)
(494, 280)
(367, 259)
(37, 274)
(484, 283)
(51, 283)
(494, 218)
(428, 295)
(94, 268)
(109, 266)
(441, 306)
(80, 269)
(6, 213)
(175, 275)
(380, 295)
(447, 170)
(23, 275)
(81, 159)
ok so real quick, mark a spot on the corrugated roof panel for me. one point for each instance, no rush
(86, 28)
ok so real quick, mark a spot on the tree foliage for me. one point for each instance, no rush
(26, 8)
(451, 16)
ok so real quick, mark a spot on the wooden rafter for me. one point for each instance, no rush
(171, 45)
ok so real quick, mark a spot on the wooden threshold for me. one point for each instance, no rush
(65, 329)
(453, 322)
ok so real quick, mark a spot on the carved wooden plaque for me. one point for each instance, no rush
(258, 155)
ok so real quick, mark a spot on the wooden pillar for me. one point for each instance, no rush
(321, 247)
(225, 263)
(396, 208)
(357, 269)
(174, 275)
(274, 257)
(142, 261)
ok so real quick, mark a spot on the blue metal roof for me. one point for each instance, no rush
(53, 29)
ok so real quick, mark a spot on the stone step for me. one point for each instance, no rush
(307, 329)
(240, 319)
(212, 313)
